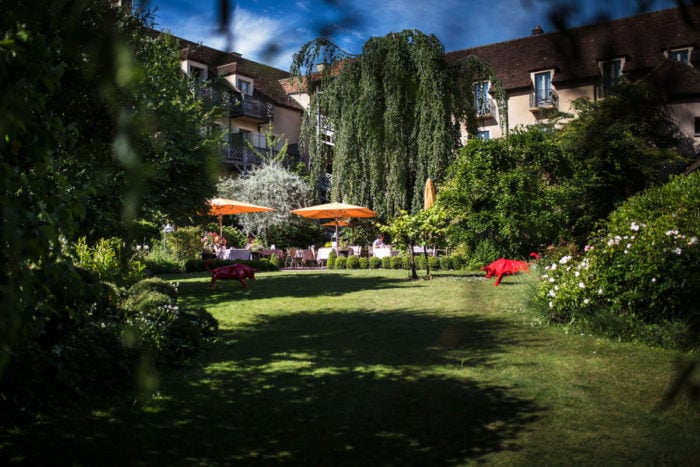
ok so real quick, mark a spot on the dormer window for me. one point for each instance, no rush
(245, 86)
(195, 70)
(611, 71)
(680, 55)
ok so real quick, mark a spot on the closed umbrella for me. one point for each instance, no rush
(429, 195)
(224, 207)
(335, 211)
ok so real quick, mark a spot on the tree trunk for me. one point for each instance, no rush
(413, 275)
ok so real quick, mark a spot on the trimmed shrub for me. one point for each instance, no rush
(332, 256)
(375, 263)
(364, 263)
(340, 262)
(353, 262)
(386, 262)
(396, 262)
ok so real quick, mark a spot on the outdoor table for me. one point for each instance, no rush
(237, 253)
(383, 252)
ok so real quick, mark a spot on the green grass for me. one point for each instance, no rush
(365, 368)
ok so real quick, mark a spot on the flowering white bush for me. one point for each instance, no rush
(644, 266)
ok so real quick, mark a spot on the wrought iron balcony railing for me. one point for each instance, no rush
(544, 100)
(238, 105)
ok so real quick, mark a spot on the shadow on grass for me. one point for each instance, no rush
(326, 388)
(275, 285)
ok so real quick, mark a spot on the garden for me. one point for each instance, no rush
(115, 350)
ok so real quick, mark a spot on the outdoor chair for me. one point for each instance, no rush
(308, 258)
(291, 260)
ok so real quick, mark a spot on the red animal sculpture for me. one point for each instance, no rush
(236, 271)
(505, 267)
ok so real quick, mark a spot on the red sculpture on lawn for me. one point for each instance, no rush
(236, 271)
(507, 267)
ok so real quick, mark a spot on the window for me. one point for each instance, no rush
(680, 55)
(482, 103)
(245, 86)
(543, 89)
(486, 134)
(612, 72)
(197, 72)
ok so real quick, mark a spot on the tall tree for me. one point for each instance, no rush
(395, 110)
(96, 128)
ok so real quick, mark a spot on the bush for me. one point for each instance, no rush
(386, 262)
(154, 284)
(375, 263)
(363, 262)
(106, 260)
(341, 262)
(353, 262)
(640, 272)
(157, 325)
(332, 256)
(434, 262)
(445, 263)
(185, 243)
(396, 262)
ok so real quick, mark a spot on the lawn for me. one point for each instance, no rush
(366, 368)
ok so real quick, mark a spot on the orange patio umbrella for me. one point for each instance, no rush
(341, 223)
(335, 211)
(224, 207)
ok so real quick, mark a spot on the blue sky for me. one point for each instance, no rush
(271, 31)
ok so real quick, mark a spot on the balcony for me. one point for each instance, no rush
(240, 156)
(485, 109)
(243, 105)
(540, 101)
(238, 105)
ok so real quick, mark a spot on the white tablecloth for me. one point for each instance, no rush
(384, 252)
(237, 253)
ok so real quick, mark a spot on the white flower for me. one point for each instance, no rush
(693, 241)
(586, 301)
(553, 267)
(556, 287)
(611, 242)
(565, 259)
(677, 251)
(653, 280)
(551, 305)
(551, 294)
(628, 246)
(577, 273)
(551, 279)
(581, 285)
(634, 227)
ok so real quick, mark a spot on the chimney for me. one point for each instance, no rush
(537, 31)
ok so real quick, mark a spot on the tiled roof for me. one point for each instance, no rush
(575, 53)
(266, 78)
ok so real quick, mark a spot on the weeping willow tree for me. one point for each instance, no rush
(395, 110)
